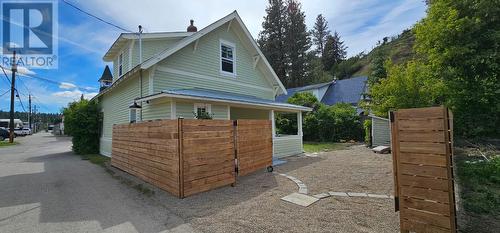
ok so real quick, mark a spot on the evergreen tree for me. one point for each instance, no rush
(319, 34)
(378, 69)
(334, 52)
(297, 42)
(272, 38)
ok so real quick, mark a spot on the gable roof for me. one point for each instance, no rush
(292, 91)
(106, 75)
(345, 91)
(123, 39)
(197, 35)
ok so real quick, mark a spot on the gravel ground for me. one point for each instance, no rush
(254, 205)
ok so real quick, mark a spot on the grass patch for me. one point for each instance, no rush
(6, 143)
(480, 185)
(312, 147)
(96, 159)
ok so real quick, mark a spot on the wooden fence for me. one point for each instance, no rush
(422, 154)
(254, 144)
(185, 157)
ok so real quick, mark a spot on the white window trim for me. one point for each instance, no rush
(233, 46)
(120, 63)
(202, 105)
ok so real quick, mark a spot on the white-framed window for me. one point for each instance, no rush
(133, 115)
(227, 58)
(120, 64)
(200, 108)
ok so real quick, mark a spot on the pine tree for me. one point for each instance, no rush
(297, 42)
(334, 52)
(319, 34)
(272, 38)
(378, 69)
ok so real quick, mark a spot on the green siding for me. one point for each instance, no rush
(219, 112)
(205, 61)
(156, 109)
(287, 146)
(125, 66)
(186, 109)
(247, 113)
(115, 107)
(150, 47)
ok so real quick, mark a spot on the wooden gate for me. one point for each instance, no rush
(423, 169)
(254, 145)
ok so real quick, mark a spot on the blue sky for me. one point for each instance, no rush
(84, 40)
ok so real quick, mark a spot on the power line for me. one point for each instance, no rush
(5, 73)
(96, 17)
(20, 101)
(4, 93)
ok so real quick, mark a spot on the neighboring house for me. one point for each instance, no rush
(381, 131)
(219, 70)
(350, 91)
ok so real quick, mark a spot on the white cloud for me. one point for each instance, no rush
(360, 23)
(74, 95)
(66, 85)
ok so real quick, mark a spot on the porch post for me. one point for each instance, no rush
(273, 122)
(299, 124)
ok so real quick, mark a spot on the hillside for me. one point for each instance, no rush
(398, 48)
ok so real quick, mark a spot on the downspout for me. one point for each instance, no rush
(140, 63)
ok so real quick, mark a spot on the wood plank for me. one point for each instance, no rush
(423, 159)
(425, 194)
(421, 136)
(429, 206)
(424, 182)
(420, 227)
(428, 218)
(428, 171)
(424, 124)
(422, 147)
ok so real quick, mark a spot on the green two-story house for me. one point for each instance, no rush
(218, 69)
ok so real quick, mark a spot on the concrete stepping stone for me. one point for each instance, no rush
(357, 194)
(300, 199)
(378, 195)
(338, 194)
(321, 195)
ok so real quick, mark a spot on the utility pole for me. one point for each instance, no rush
(34, 119)
(12, 89)
(29, 113)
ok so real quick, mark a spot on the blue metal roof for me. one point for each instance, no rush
(345, 91)
(212, 95)
(292, 91)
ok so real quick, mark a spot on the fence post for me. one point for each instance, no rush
(394, 151)
(181, 158)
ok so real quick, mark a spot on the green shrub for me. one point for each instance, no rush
(203, 116)
(368, 132)
(82, 120)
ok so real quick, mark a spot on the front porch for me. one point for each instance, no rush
(227, 106)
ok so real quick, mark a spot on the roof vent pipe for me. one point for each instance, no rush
(191, 27)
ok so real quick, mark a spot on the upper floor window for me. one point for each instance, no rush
(120, 64)
(227, 58)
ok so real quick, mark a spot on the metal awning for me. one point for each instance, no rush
(226, 98)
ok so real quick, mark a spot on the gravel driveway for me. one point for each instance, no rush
(46, 188)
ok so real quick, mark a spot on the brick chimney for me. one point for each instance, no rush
(191, 27)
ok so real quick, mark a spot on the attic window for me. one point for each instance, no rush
(227, 61)
(120, 64)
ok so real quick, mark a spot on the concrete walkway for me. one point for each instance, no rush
(46, 188)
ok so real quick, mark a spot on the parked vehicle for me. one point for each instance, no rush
(22, 131)
(3, 134)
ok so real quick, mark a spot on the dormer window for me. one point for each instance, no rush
(227, 58)
(120, 64)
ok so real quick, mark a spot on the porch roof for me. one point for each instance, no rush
(224, 97)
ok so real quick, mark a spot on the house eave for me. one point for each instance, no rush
(295, 108)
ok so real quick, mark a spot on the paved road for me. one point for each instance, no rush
(44, 187)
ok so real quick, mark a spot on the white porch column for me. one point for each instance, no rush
(273, 122)
(299, 124)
